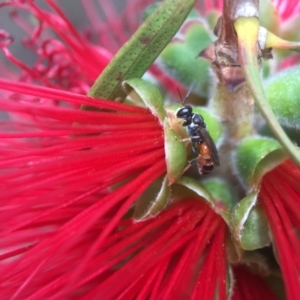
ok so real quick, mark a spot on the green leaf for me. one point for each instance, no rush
(148, 11)
(139, 90)
(153, 201)
(195, 186)
(137, 55)
(214, 191)
(283, 93)
(175, 152)
(218, 189)
(255, 234)
(249, 224)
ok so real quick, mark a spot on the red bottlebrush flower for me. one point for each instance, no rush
(290, 61)
(287, 9)
(180, 254)
(159, 258)
(59, 63)
(74, 60)
(58, 181)
(208, 5)
(249, 286)
(280, 199)
(66, 189)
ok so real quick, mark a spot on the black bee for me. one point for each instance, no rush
(202, 143)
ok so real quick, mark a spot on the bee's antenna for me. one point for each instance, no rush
(181, 100)
(190, 90)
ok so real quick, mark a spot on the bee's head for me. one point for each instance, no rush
(185, 113)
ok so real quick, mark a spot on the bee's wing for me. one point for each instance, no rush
(212, 146)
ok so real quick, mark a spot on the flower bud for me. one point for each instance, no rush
(179, 57)
(282, 91)
(255, 156)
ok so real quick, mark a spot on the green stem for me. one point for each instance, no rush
(235, 110)
(247, 29)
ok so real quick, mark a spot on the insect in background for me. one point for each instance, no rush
(202, 143)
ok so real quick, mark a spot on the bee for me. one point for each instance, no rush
(202, 143)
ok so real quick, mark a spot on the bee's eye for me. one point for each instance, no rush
(184, 112)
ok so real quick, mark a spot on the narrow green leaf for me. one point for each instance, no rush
(273, 41)
(148, 11)
(136, 56)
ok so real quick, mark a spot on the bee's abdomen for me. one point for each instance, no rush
(205, 169)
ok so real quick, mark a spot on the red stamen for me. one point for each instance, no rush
(48, 93)
(286, 241)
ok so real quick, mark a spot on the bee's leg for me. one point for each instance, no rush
(189, 139)
(190, 163)
(186, 141)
